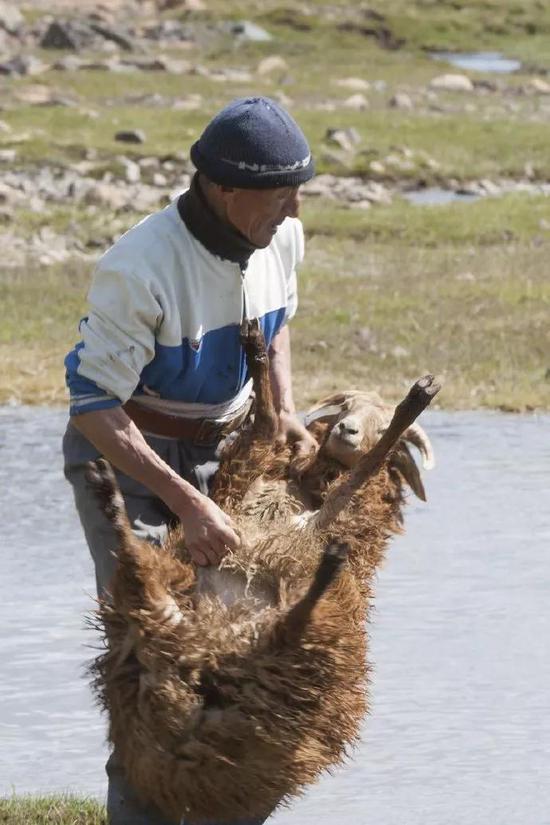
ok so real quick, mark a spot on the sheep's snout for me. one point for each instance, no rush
(345, 440)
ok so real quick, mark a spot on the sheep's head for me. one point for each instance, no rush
(356, 420)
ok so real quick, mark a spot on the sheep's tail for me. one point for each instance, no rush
(101, 478)
(405, 414)
(247, 457)
(293, 624)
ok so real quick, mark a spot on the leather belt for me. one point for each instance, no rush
(196, 430)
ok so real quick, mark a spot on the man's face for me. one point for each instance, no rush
(256, 213)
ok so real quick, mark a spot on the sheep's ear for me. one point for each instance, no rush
(403, 461)
(328, 413)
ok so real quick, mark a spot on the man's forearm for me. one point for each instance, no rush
(280, 370)
(118, 439)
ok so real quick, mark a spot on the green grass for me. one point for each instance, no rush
(54, 810)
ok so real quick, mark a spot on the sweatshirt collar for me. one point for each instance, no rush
(218, 237)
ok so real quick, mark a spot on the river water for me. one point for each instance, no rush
(459, 730)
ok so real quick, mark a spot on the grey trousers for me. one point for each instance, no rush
(150, 518)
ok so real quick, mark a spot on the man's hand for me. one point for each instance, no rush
(292, 431)
(209, 532)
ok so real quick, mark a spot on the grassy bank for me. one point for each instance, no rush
(386, 293)
(54, 810)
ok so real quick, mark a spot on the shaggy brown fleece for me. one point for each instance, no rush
(230, 690)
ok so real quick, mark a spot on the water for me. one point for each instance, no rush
(479, 61)
(435, 196)
(459, 731)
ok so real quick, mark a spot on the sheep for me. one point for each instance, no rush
(230, 689)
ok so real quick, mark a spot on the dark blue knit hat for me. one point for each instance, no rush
(253, 144)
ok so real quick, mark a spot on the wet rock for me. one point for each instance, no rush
(244, 30)
(346, 139)
(273, 63)
(355, 84)
(11, 18)
(357, 102)
(131, 136)
(22, 65)
(401, 100)
(69, 34)
(452, 83)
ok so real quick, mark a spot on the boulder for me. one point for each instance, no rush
(357, 102)
(69, 34)
(401, 100)
(22, 65)
(115, 35)
(539, 86)
(355, 84)
(245, 30)
(11, 18)
(452, 83)
(273, 63)
(130, 136)
(346, 139)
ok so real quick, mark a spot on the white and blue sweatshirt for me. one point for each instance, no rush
(165, 316)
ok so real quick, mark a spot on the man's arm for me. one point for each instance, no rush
(291, 428)
(209, 532)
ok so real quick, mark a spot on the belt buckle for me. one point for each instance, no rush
(210, 431)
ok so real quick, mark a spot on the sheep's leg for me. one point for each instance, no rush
(136, 584)
(245, 458)
(290, 628)
(406, 412)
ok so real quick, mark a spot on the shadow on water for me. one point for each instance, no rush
(459, 730)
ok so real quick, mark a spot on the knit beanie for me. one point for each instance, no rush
(253, 144)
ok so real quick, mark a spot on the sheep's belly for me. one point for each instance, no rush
(231, 586)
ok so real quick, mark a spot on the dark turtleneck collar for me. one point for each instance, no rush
(218, 237)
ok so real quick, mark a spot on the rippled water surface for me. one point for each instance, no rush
(459, 731)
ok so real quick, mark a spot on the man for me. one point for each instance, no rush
(160, 378)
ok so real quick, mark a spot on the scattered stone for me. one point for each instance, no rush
(132, 170)
(540, 86)
(105, 194)
(245, 30)
(114, 35)
(400, 352)
(356, 84)
(39, 95)
(5, 127)
(401, 100)
(131, 136)
(452, 83)
(273, 63)
(69, 34)
(231, 76)
(69, 63)
(283, 99)
(11, 18)
(160, 64)
(377, 167)
(160, 180)
(188, 104)
(357, 102)
(7, 155)
(23, 65)
(346, 139)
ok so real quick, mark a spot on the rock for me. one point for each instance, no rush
(245, 30)
(400, 352)
(346, 139)
(105, 194)
(117, 36)
(22, 65)
(160, 64)
(69, 63)
(540, 86)
(132, 170)
(39, 95)
(273, 63)
(5, 127)
(160, 180)
(131, 136)
(401, 100)
(69, 34)
(8, 155)
(188, 104)
(283, 98)
(11, 18)
(377, 167)
(356, 84)
(452, 83)
(357, 102)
